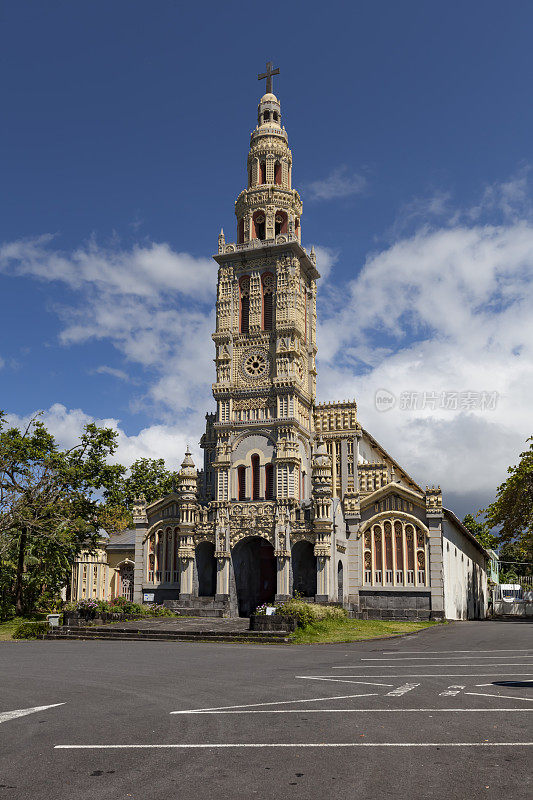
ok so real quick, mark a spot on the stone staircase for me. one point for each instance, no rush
(199, 607)
(115, 633)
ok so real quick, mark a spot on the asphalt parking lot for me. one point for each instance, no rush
(443, 714)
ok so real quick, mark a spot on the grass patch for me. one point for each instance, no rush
(353, 630)
(8, 627)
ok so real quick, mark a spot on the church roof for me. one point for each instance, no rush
(123, 540)
(388, 457)
(469, 535)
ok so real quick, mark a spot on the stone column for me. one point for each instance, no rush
(356, 461)
(139, 571)
(436, 574)
(344, 466)
(223, 570)
(334, 466)
(283, 558)
(323, 581)
(186, 577)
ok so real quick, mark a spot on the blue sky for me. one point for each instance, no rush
(124, 147)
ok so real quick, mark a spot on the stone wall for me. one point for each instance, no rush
(394, 605)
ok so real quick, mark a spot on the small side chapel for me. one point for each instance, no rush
(294, 496)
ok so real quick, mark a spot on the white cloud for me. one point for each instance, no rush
(443, 310)
(157, 441)
(115, 373)
(141, 271)
(509, 198)
(326, 258)
(153, 304)
(339, 183)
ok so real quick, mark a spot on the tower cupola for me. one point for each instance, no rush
(269, 207)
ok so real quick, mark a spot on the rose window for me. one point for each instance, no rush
(255, 364)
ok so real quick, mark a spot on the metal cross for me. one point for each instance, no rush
(268, 75)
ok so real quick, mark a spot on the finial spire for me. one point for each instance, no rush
(268, 75)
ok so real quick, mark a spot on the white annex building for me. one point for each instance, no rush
(294, 496)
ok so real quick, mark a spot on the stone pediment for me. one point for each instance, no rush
(166, 504)
(393, 491)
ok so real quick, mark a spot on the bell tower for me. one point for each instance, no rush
(265, 336)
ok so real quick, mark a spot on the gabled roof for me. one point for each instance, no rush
(394, 488)
(452, 518)
(123, 540)
(163, 501)
(388, 457)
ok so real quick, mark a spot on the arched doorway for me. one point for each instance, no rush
(303, 562)
(254, 567)
(340, 582)
(206, 567)
(125, 581)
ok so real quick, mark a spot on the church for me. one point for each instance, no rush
(295, 497)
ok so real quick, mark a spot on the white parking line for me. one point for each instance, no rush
(406, 687)
(248, 745)
(506, 696)
(220, 709)
(432, 658)
(341, 680)
(360, 711)
(529, 684)
(412, 675)
(22, 712)
(433, 666)
(438, 652)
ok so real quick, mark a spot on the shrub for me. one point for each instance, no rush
(309, 613)
(30, 630)
(157, 611)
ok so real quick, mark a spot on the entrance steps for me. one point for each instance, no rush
(199, 607)
(115, 633)
(187, 611)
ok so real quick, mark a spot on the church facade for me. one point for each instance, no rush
(295, 496)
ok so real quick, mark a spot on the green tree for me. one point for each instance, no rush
(480, 531)
(512, 562)
(146, 476)
(48, 506)
(512, 510)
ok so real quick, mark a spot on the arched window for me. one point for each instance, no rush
(262, 172)
(241, 480)
(151, 559)
(125, 588)
(297, 227)
(267, 283)
(240, 231)
(280, 222)
(378, 565)
(255, 477)
(266, 116)
(168, 555)
(259, 225)
(275, 116)
(176, 574)
(277, 173)
(269, 482)
(245, 305)
(159, 556)
(395, 553)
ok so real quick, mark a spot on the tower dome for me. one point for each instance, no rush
(269, 207)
